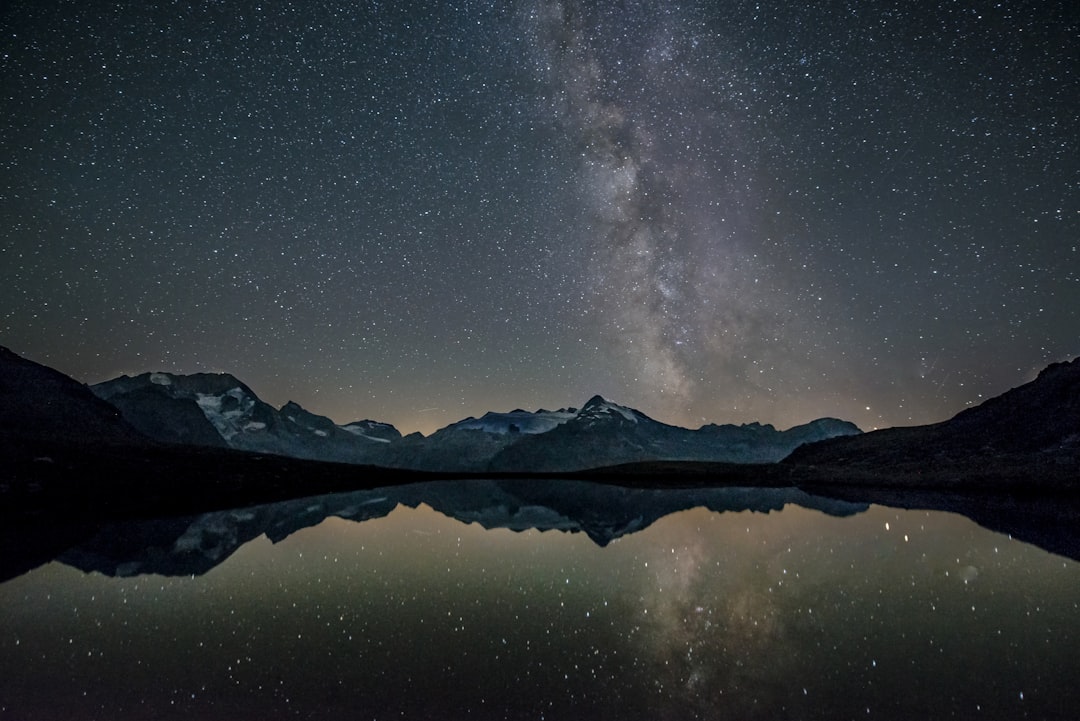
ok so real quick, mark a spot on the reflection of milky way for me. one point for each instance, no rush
(885, 614)
(667, 298)
(715, 626)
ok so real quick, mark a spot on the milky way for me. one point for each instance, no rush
(669, 279)
(713, 212)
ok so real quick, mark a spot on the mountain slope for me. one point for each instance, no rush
(1034, 426)
(38, 403)
(217, 409)
(515, 421)
(470, 444)
(603, 433)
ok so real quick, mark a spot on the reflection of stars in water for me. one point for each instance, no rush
(711, 620)
(741, 616)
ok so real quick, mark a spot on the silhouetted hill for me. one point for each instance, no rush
(38, 403)
(1033, 429)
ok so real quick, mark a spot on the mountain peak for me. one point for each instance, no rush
(599, 408)
(515, 421)
(597, 400)
(1062, 367)
(373, 430)
(177, 385)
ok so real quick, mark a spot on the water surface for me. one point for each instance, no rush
(858, 612)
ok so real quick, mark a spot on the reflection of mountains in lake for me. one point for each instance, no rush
(194, 545)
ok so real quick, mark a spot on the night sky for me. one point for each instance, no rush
(415, 212)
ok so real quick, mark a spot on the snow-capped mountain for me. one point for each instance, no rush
(598, 412)
(600, 433)
(516, 421)
(470, 445)
(373, 431)
(217, 409)
(603, 433)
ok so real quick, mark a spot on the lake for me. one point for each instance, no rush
(489, 600)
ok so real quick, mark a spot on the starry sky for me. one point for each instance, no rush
(415, 212)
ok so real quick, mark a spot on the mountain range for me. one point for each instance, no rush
(74, 459)
(219, 410)
(160, 442)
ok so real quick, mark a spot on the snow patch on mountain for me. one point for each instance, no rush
(599, 409)
(373, 431)
(360, 434)
(213, 409)
(227, 410)
(515, 421)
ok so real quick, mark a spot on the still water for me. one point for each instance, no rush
(833, 611)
